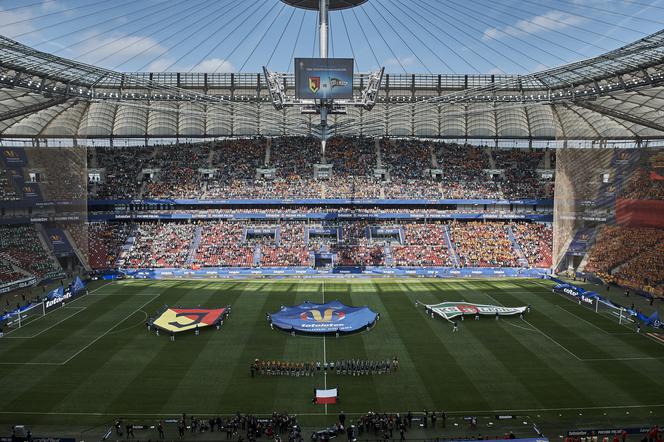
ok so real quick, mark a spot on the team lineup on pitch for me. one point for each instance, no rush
(98, 360)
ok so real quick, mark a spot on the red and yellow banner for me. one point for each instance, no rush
(182, 319)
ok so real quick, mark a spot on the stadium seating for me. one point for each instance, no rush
(615, 245)
(21, 246)
(631, 256)
(227, 244)
(160, 245)
(8, 274)
(536, 241)
(353, 161)
(104, 243)
(483, 244)
(221, 245)
(123, 166)
(424, 246)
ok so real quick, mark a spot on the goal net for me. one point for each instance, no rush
(24, 316)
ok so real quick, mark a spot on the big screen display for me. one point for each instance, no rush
(323, 78)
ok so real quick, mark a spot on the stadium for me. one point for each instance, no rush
(317, 219)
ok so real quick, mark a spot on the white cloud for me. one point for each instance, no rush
(402, 61)
(16, 22)
(118, 48)
(214, 65)
(550, 21)
(539, 68)
(160, 64)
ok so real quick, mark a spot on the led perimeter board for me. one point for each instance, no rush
(324, 78)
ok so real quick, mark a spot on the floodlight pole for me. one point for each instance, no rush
(323, 29)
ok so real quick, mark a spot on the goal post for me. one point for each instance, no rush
(23, 316)
(594, 301)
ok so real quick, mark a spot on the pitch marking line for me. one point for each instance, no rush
(624, 324)
(453, 412)
(67, 305)
(80, 309)
(110, 329)
(324, 353)
(542, 333)
(554, 341)
(587, 322)
(644, 358)
(88, 345)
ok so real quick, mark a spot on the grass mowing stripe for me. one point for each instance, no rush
(499, 353)
(619, 374)
(472, 350)
(627, 345)
(62, 342)
(427, 345)
(297, 392)
(203, 356)
(50, 387)
(251, 337)
(357, 392)
(413, 389)
(579, 373)
(159, 367)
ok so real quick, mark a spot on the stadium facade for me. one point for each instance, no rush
(610, 100)
(615, 96)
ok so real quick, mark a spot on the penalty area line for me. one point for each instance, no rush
(554, 341)
(79, 310)
(110, 330)
(67, 305)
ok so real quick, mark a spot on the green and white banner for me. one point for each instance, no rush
(449, 310)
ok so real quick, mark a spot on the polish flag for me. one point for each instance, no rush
(326, 396)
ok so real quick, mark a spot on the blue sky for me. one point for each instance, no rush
(414, 36)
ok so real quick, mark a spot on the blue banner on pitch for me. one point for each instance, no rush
(332, 317)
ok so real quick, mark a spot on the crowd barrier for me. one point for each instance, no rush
(324, 201)
(315, 216)
(433, 272)
(11, 286)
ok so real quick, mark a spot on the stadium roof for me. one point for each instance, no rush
(617, 95)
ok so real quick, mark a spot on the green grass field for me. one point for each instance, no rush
(94, 360)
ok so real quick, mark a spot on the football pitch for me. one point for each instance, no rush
(93, 360)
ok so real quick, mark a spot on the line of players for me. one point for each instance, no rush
(348, 367)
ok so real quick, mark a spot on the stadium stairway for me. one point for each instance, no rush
(257, 256)
(193, 247)
(210, 159)
(547, 159)
(492, 160)
(77, 251)
(268, 152)
(93, 162)
(450, 246)
(7, 260)
(389, 259)
(128, 245)
(41, 234)
(434, 159)
(379, 157)
(523, 261)
(580, 244)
